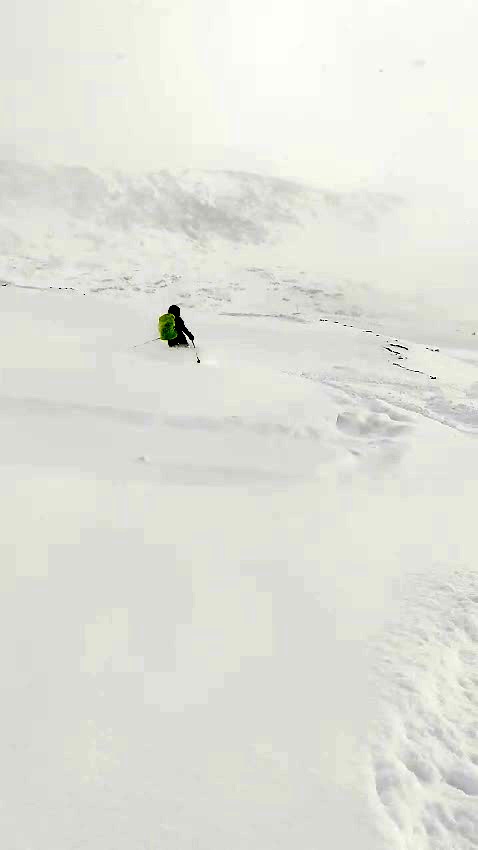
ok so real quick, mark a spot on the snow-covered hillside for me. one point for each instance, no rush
(234, 240)
(238, 207)
(239, 599)
(210, 233)
(227, 242)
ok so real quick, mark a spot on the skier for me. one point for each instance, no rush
(181, 329)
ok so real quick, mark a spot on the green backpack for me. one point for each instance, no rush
(167, 327)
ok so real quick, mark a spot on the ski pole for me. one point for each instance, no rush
(195, 350)
(146, 343)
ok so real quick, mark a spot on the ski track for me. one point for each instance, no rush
(148, 433)
(370, 428)
(130, 417)
(459, 416)
(424, 759)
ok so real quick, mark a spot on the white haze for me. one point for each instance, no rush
(359, 94)
(358, 91)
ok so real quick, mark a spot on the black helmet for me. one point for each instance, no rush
(174, 309)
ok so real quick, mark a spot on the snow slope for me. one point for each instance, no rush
(221, 237)
(239, 599)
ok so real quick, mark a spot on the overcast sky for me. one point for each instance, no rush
(340, 92)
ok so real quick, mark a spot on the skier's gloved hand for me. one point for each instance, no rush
(192, 337)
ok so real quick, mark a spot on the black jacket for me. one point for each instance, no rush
(182, 333)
